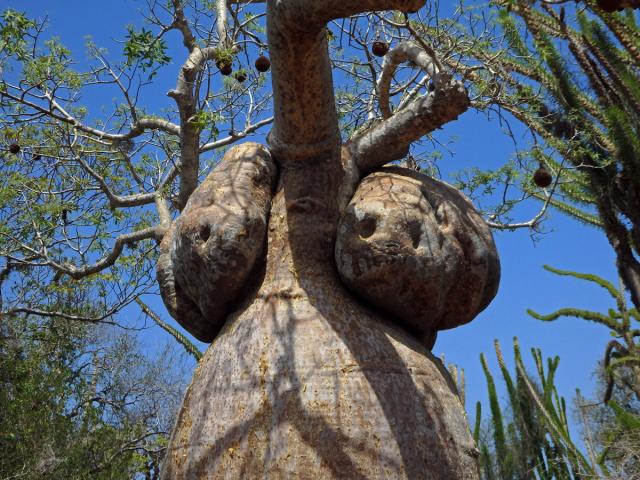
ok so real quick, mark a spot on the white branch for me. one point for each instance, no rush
(403, 52)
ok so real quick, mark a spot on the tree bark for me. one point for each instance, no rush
(304, 380)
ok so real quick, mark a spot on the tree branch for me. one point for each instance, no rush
(181, 24)
(185, 99)
(304, 14)
(223, 142)
(405, 51)
(126, 200)
(59, 314)
(156, 232)
(137, 129)
(305, 117)
(390, 139)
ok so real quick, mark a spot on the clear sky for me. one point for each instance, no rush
(567, 245)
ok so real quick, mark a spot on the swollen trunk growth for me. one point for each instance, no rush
(324, 278)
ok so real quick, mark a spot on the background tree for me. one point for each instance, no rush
(570, 74)
(613, 423)
(81, 400)
(529, 436)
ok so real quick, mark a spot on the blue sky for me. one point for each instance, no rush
(567, 245)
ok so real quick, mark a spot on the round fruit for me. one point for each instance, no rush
(225, 68)
(379, 48)
(542, 177)
(14, 148)
(241, 76)
(610, 6)
(262, 63)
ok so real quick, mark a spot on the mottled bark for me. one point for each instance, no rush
(391, 138)
(210, 252)
(416, 248)
(307, 382)
(304, 380)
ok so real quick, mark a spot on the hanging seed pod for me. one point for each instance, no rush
(14, 148)
(610, 6)
(240, 76)
(379, 49)
(225, 68)
(262, 64)
(542, 178)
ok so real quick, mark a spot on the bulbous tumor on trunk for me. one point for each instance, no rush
(218, 241)
(417, 248)
(304, 380)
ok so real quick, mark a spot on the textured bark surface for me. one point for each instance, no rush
(417, 248)
(305, 380)
(214, 246)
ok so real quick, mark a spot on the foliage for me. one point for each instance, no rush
(615, 422)
(532, 439)
(570, 74)
(621, 353)
(13, 30)
(146, 48)
(80, 401)
(89, 194)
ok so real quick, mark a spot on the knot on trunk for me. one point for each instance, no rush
(207, 257)
(417, 248)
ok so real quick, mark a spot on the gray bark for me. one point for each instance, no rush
(304, 380)
(417, 249)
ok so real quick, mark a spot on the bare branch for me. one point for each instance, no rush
(126, 200)
(185, 99)
(137, 129)
(312, 13)
(60, 314)
(236, 136)
(405, 51)
(156, 232)
(181, 24)
(221, 21)
(298, 46)
(390, 139)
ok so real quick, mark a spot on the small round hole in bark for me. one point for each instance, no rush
(366, 227)
(415, 233)
(205, 232)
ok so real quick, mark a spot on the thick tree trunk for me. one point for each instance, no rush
(304, 381)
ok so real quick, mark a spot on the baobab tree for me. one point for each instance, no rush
(304, 379)
(320, 274)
